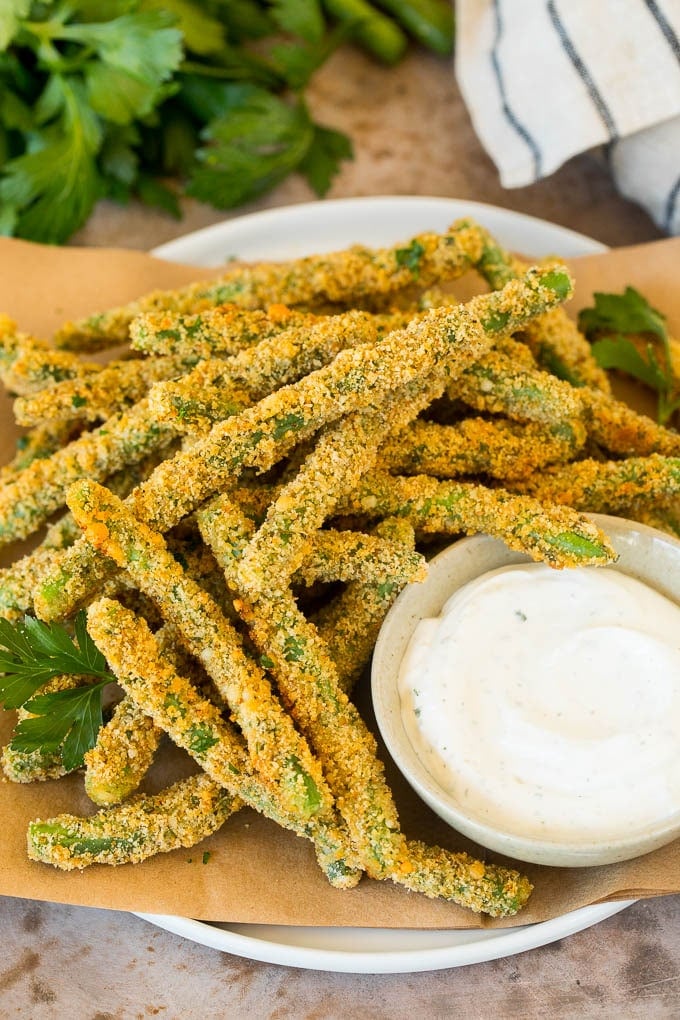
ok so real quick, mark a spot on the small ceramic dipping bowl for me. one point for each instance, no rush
(643, 553)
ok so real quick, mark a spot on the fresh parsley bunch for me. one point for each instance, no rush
(113, 98)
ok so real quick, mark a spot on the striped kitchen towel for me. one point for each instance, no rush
(546, 79)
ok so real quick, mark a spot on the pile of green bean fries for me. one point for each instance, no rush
(238, 501)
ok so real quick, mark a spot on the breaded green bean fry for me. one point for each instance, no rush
(555, 339)
(485, 887)
(128, 437)
(98, 395)
(122, 755)
(356, 557)
(180, 816)
(556, 534)
(343, 453)
(28, 365)
(19, 582)
(216, 332)
(618, 428)
(497, 384)
(611, 486)
(349, 624)
(42, 441)
(344, 277)
(499, 448)
(306, 678)
(203, 396)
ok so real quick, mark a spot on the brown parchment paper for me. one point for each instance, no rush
(257, 872)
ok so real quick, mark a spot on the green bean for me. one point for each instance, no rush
(377, 33)
(349, 624)
(220, 332)
(180, 816)
(607, 486)
(618, 428)
(19, 581)
(28, 365)
(206, 394)
(499, 448)
(554, 338)
(122, 755)
(343, 277)
(98, 395)
(556, 534)
(497, 384)
(354, 556)
(488, 888)
(343, 453)
(42, 441)
(27, 502)
(428, 21)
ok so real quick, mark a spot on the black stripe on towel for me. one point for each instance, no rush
(664, 24)
(509, 115)
(583, 72)
(671, 205)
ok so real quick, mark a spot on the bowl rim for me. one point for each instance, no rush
(633, 542)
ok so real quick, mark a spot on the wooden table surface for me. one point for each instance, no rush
(412, 135)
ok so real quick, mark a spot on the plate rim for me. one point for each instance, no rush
(263, 218)
(508, 941)
(504, 943)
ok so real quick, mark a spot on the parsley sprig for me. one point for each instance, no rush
(614, 324)
(31, 654)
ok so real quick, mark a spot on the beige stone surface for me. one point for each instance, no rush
(412, 135)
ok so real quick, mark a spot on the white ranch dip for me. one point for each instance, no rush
(548, 702)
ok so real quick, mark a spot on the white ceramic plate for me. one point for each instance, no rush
(303, 230)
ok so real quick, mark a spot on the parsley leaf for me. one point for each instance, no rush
(322, 160)
(202, 33)
(11, 13)
(69, 720)
(256, 142)
(620, 353)
(107, 98)
(52, 188)
(133, 55)
(611, 323)
(32, 652)
(410, 257)
(297, 61)
(629, 312)
(118, 160)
